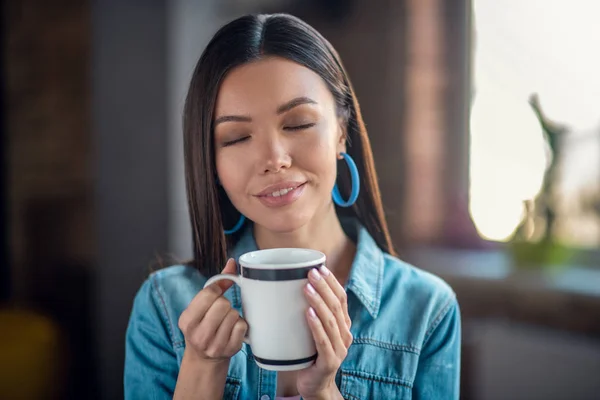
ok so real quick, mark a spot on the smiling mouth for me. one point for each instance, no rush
(281, 192)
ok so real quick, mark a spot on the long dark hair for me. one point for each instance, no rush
(241, 41)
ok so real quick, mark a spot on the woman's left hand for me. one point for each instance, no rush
(330, 325)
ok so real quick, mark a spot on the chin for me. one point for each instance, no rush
(284, 224)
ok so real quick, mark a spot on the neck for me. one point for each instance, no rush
(324, 234)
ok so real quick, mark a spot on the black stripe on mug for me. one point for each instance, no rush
(285, 362)
(277, 274)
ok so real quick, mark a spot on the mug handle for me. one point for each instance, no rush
(227, 277)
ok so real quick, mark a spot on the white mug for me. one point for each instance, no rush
(272, 286)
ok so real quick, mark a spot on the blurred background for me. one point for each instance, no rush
(484, 118)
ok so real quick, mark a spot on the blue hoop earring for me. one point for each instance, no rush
(337, 197)
(237, 226)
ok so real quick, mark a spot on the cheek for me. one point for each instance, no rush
(231, 172)
(319, 156)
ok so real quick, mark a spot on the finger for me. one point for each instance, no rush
(324, 289)
(327, 318)
(326, 354)
(338, 291)
(230, 268)
(213, 318)
(198, 307)
(221, 339)
(342, 297)
(240, 328)
(200, 304)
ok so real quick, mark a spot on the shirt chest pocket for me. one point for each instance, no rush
(363, 386)
(378, 370)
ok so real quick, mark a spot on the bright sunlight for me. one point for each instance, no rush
(521, 47)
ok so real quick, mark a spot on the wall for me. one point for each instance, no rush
(130, 135)
(48, 142)
(50, 238)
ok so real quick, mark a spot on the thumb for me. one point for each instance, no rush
(230, 268)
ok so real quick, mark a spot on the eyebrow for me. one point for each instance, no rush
(232, 118)
(294, 103)
(280, 110)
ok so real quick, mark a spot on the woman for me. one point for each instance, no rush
(269, 113)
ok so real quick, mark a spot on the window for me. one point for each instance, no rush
(548, 48)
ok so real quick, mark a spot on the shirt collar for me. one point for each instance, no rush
(366, 276)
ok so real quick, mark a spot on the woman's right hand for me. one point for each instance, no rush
(213, 330)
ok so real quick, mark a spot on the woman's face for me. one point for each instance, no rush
(277, 139)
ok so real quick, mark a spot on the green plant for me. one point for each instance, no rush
(534, 243)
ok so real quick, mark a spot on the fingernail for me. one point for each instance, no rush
(310, 289)
(315, 274)
(312, 313)
(324, 270)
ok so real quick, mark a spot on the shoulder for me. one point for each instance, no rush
(154, 345)
(177, 283)
(420, 299)
(416, 282)
(173, 285)
(165, 294)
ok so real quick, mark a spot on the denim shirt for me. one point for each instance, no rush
(405, 324)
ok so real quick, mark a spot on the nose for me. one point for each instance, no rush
(274, 156)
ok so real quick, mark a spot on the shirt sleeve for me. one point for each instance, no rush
(151, 365)
(438, 371)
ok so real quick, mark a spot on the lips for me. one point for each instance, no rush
(280, 189)
(281, 194)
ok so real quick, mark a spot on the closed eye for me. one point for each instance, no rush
(299, 127)
(232, 142)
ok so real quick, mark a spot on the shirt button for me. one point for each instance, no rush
(265, 397)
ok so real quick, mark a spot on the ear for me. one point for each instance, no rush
(342, 136)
